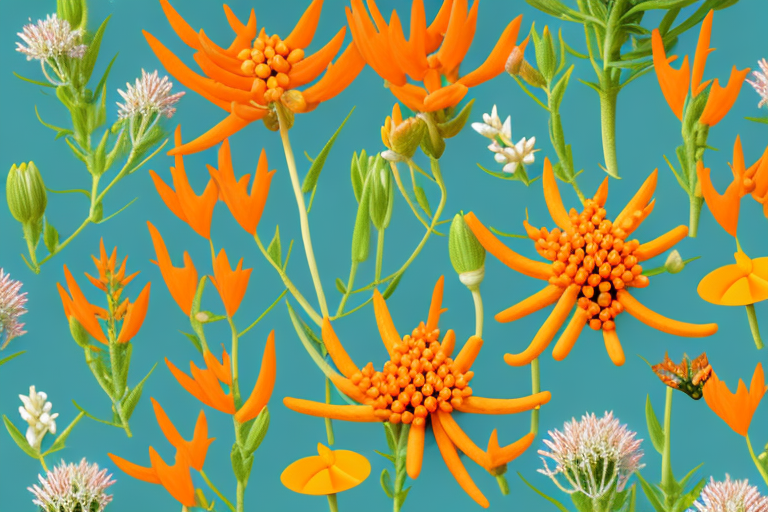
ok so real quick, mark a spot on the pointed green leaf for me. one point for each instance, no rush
(421, 198)
(274, 250)
(763, 119)
(19, 438)
(241, 464)
(101, 86)
(391, 438)
(386, 484)
(50, 237)
(687, 499)
(386, 456)
(402, 495)
(654, 427)
(508, 235)
(258, 431)
(651, 493)
(195, 341)
(340, 286)
(92, 53)
(310, 180)
(94, 418)
(361, 236)
(560, 506)
(60, 132)
(559, 90)
(12, 356)
(133, 396)
(392, 286)
(60, 441)
(36, 82)
(70, 191)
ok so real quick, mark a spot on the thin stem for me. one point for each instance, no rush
(752, 317)
(760, 467)
(261, 317)
(328, 421)
(350, 284)
(478, 299)
(535, 388)
(608, 98)
(66, 242)
(42, 461)
(333, 504)
(379, 255)
(216, 491)
(305, 235)
(578, 191)
(667, 478)
(404, 193)
(503, 484)
(240, 496)
(693, 224)
(400, 467)
(235, 370)
(317, 319)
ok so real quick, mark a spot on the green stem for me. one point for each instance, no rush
(266, 311)
(557, 137)
(303, 218)
(752, 317)
(328, 421)
(404, 193)
(503, 484)
(235, 366)
(333, 504)
(760, 467)
(118, 393)
(240, 496)
(695, 212)
(400, 467)
(216, 491)
(478, 300)
(608, 98)
(379, 255)
(667, 478)
(535, 388)
(350, 284)
(42, 461)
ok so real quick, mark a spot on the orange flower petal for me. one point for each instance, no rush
(415, 451)
(661, 244)
(722, 99)
(736, 409)
(674, 82)
(304, 31)
(179, 25)
(435, 305)
(338, 76)
(82, 309)
(661, 323)
(702, 50)
(638, 202)
(463, 362)
(480, 405)
(135, 316)
(571, 333)
(134, 470)
(245, 33)
(195, 450)
(231, 284)
(458, 37)
(613, 347)
(553, 199)
(460, 438)
(357, 413)
(497, 60)
(181, 282)
(168, 195)
(262, 391)
(445, 97)
(412, 95)
(176, 479)
(387, 330)
(438, 27)
(539, 300)
(336, 350)
(310, 68)
(725, 208)
(448, 343)
(498, 456)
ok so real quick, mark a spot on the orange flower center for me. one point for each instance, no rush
(596, 257)
(270, 60)
(418, 379)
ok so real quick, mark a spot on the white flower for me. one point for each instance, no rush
(761, 82)
(592, 455)
(150, 95)
(37, 413)
(492, 126)
(11, 308)
(49, 39)
(731, 496)
(73, 488)
(514, 155)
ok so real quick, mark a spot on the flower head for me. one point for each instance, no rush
(761, 82)
(675, 83)
(150, 95)
(688, 376)
(736, 409)
(51, 38)
(11, 308)
(521, 153)
(592, 455)
(329, 472)
(593, 264)
(256, 70)
(181, 282)
(731, 496)
(36, 411)
(740, 284)
(492, 126)
(73, 488)
(421, 384)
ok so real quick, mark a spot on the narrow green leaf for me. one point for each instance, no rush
(657, 4)
(310, 180)
(60, 132)
(687, 499)
(94, 418)
(241, 463)
(386, 484)
(688, 476)
(105, 219)
(508, 235)
(133, 396)
(556, 503)
(19, 438)
(593, 85)
(60, 441)
(654, 427)
(454, 126)
(70, 191)
(195, 341)
(391, 441)
(321, 363)
(386, 456)
(651, 493)
(392, 286)
(274, 250)
(100, 87)
(421, 198)
(763, 120)
(341, 286)
(50, 237)
(79, 154)
(402, 495)
(559, 90)
(36, 82)
(681, 179)
(361, 235)
(92, 53)
(12, 356)
(258, 431)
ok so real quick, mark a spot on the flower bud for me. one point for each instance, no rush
(25, 192)
(545, 54)
(674, 263)
(382, 194)
(467, 255)
(515, 61)
(294, 101)
(403, 136)
(74, 11)
(79, 334)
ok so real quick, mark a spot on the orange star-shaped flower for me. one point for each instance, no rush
(736, 409)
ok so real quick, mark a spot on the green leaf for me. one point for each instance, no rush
(92, 53)
(654, 427)
(391, 438)
(402, 495)
(86, 193)
(681, 179)
(78, 154)
(341, 286)
(118, 212)
(686, 500)
(392, 286)
(311, 349)
(658, 4)
(36, 82)
(274, 250)
(133, 396)
(195, 341)
(688, 476)
(508, 235)
(356, 173)
(258, 431)
(559, 90)
(50, 237)
(123, 352)
(763, 119)
(100, 87)
(361, 236)
(60, 441)
(421, 198)
(651, 493)
(593, 85)
(386, 484)
(241, 464)
(60, 132)
(454, 126)
(560, 506)
(12, 356)
(19, 438)
(310, 180)
(386, 456)
(94, 418)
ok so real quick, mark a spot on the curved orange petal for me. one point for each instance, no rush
(358, 413)
(674, 82)
(262, 391)
(661, 323)
(480, 405)
(134, 470)
(459, 35)
(415, 451)
(219, 56)
(725, 208)
(223, 369)
(571, 333)
(553, 200)
(498, 456)
(436, 305)
(210, 386)
(338, 77)
(372, 43)
(722, 99)
(413, 96)
(387, 330)
(460, 438)
(302, 34)
(310, 68)
(410, 56)
(231, 284)
(135, 316)
(666, 241)
(195, 454)
(188, 383)
(176, 479)
(613, 347)
(336, 350)
(168, 195)
(179, 25)
(702, 50)
(438, 27)
(713, 287)
(628, 217)
(66, 300)
(181, 282)
(448, 343)
(82, 309)
(541, 299)
(602, 193)
(463, 362)
(245, 33)
(445, 97)
(497, 60)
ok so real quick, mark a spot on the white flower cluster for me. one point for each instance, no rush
(73, 488)
(760, 83)
(49, 39)
(11, 308)
(150, 95)
(592, 455)
(36, 411)
(506, 152)
(730, 496)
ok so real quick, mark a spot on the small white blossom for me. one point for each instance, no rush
(49, 39)
(761, 82)
(36, 411)
(492, 126)
(11, 308)
(513, 155)
(730, 496)
(150, 95)
(592, 455)
(73, 488)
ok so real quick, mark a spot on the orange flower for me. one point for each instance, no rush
(420, 381)
(109, 280)
(329, 472)
(181, 282)
(741, 284)
(447, 39)
(736, 409)
(593, 264)
(753, 180)
(675, 82)
(176, 479)
(231, 284)
(262, 391)
(255, 71)
(197, 211)
(245, 208)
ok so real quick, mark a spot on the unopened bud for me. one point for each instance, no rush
(294, 101)
(74, 11)
(467, 255)
(406, 137)
(382, 194)
(271, 122)
(25, 192)
(674, 263)
(79, 334)
(545, 54)
(515, 61)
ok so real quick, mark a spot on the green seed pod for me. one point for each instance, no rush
(467, 255)
(545, 54)
(382, 194)
(25, 192)
(79, 334)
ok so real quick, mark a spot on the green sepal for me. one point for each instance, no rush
(310, 180)
(241, 463)
(386, 484)
(341, 286)
(61, 439)
(88, 62)
(453, 127)
(19, 438)
(50, 237)
(257, 431)
(134, 395)
(654, 427)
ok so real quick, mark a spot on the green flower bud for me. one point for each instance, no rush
(452, 127)
(674, 263)
(467, 255)
(433, 145)
(79, 334)
(74, 11)
(405, 138)
(545, 54)
(25, 192)
(382, 194)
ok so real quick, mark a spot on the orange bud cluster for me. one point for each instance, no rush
(270, 60)
(595, 256)
(418, 379)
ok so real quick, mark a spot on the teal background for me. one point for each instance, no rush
(586, 381)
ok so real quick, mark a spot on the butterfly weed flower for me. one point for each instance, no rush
(730, 496)
(760, 84)
(594, 263)
(592, 456)
(36, 411)
(49, 41)
(11, 309)
(73, 488)
(687, 376)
